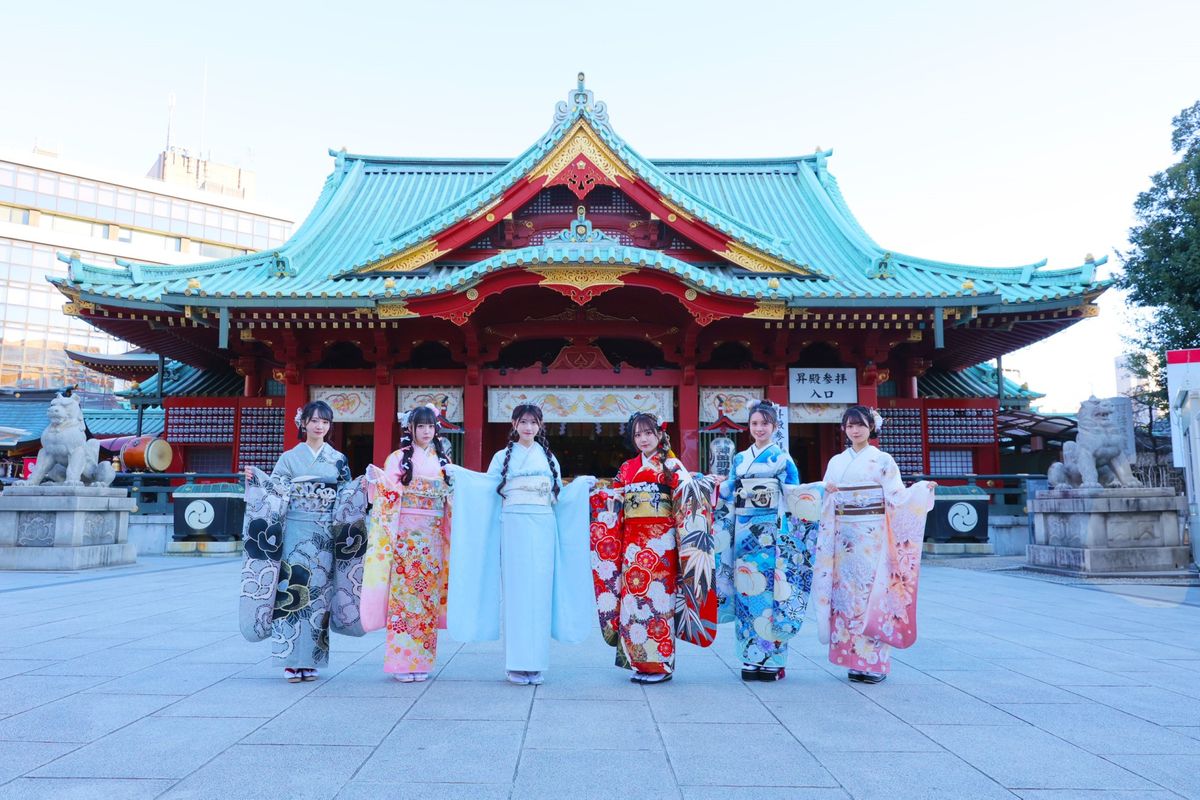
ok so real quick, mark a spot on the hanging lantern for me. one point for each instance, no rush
(720, 455)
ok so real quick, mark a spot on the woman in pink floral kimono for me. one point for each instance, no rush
(868, 553)
(405, 572)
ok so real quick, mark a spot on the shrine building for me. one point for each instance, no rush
(594, 282)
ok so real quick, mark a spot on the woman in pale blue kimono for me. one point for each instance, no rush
(304, 544)
(764, 560)
(518, 523)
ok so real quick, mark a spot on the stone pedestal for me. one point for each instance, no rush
(209, 549)
(55, 527)
(1109, 532)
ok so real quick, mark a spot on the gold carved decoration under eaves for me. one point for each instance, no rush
(582, 277)
(759, 262)
(581, 140)
(767, 309)
(75, 307)
(407, 260)
(395, 310)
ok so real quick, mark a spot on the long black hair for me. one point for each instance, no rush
(644, 420)
(422, 415)
(318, 409)
(528, 409)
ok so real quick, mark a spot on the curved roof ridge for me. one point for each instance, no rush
(767, 242)
(595, 116)
(471, 201)
(332, 197)
(794, 161)
(436, 161)
(833, 190)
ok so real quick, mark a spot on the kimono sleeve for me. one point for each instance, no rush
(262, 537)
(696, 596)
(723, 525)
(343, 471)
(473, 605)
(791, 473)
(891, 614)
(607, 524)
(915, 499)
(377, 564)
(573, 615)
(349, 531)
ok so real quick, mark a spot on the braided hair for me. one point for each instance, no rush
(522, 410)
(644, 420)
(545, 443)
(422, 415)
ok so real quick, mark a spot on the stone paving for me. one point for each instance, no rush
(134, 683)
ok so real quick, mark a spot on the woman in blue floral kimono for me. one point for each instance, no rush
(764, 561)
(304, 544)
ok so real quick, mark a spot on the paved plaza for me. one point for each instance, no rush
(134, 683)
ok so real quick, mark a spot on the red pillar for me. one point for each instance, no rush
(473, 419)
(689, 420)
(253, 379)
(777, 393)
(385, 421)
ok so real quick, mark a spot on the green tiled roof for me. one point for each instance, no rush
(976, 381)
(791, 208)
(28, 412)
(109, 422)
(184, 380)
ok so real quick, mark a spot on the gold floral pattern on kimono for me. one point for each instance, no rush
(406, 572)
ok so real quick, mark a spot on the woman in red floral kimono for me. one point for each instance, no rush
(636, 556)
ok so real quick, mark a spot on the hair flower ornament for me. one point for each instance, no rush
(299, 418)
(875, 416)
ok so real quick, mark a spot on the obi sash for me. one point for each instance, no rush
(312, 497)
(528, 490)
(647, 500)
(858, 501)
(422, 494)
(757, 493)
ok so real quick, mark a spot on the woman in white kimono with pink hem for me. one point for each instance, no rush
(868, 553)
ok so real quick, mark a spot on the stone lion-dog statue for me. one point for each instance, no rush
(1096, 459)
(67, 455)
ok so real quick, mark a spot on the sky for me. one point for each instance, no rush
(992, 134)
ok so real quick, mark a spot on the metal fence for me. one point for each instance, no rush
(153, 491)
(1008, 493)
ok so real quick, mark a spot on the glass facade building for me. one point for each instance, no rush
(49, 207)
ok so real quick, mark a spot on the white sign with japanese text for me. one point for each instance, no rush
(822, 385)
